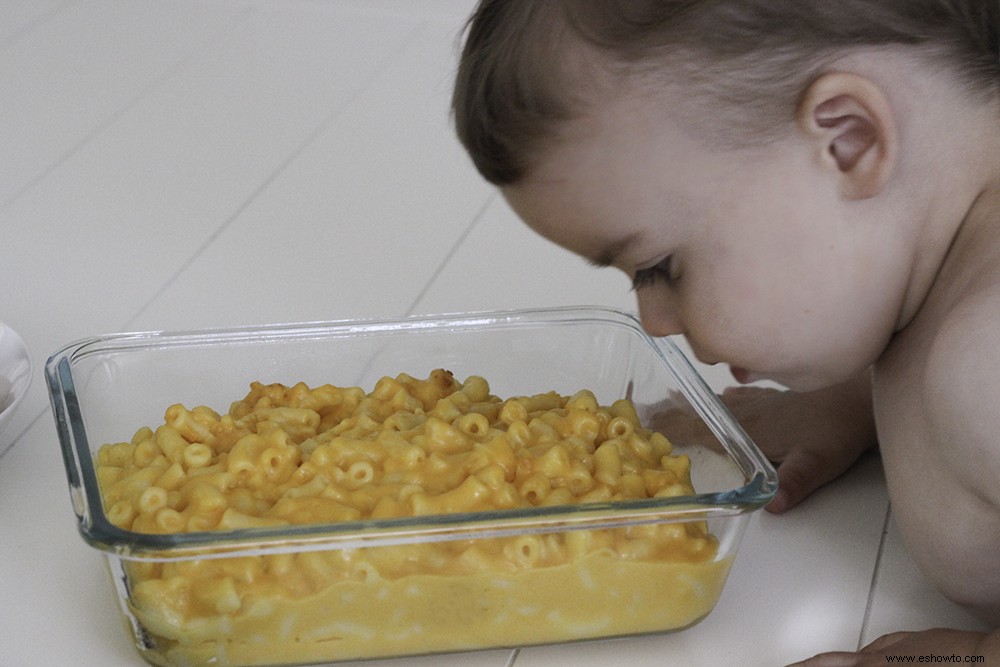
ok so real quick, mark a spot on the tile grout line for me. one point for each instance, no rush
(31, 423)
(103, 125)
(866, 621)
(480, 214)
(278, 171)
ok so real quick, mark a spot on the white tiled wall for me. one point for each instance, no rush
(183, 163)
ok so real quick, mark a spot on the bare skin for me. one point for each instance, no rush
(934, 415)
(939, 641)
(854, 261)
(813, 437)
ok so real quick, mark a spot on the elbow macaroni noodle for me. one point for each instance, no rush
(410, 447)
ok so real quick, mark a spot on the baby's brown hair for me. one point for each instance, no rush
(518, 83)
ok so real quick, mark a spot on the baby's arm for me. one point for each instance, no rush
(814, 436)
(952, 525)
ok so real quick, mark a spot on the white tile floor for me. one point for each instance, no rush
(181, 163)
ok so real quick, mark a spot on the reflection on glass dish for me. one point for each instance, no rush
(15, 377)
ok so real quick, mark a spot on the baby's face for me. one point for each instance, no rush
(750, 253)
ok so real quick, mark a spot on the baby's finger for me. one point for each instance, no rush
(801, 473)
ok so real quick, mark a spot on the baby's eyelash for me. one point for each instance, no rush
(661, 271)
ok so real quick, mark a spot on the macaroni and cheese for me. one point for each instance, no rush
(410, 447)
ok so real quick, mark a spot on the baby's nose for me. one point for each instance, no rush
(657, 315)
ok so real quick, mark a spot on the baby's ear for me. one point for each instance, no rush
(850, 121)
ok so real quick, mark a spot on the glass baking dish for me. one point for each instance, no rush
(102, 389)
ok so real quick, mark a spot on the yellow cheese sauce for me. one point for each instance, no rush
(599, 595)
(410, 447)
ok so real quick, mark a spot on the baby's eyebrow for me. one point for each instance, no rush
(609, 255)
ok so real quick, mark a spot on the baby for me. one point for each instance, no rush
(808, 191)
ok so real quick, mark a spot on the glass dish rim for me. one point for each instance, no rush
(99, 532)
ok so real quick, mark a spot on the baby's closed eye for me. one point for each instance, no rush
(663, 271)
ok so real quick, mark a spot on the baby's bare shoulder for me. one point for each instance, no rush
(960, 387)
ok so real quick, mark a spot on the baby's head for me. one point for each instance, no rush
(742, 160)
(530, 67)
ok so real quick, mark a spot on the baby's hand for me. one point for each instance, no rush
(814, 437)
(939, 642)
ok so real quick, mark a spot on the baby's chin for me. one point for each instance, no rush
(743, 376)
